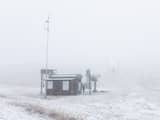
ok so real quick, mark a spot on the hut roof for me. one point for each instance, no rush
(56, 79)
(64, 77)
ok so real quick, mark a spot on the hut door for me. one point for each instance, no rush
(65, 86)
(71, 87)
(57, 85)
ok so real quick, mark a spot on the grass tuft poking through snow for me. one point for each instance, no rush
(37, 109)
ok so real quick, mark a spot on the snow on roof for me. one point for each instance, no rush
(65, 76)
(56, 79)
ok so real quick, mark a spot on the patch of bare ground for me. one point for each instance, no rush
(43, 111)
(3, 96)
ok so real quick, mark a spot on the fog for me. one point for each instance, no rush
(118, 39)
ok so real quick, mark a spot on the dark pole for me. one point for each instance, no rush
(95, 86)
(89, 80)
(41, 82)
(47, 40)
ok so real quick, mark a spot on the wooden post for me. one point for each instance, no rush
(95, 86)
(45, 95)
(41, 91)
(88, 74)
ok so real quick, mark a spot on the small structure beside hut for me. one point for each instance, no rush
(60, 84)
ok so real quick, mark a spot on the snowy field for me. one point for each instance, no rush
(23, 103)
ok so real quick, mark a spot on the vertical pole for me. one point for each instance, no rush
(88, 73)
(48, 23)
(41, 83)
(47, 40)
(95, 86)
(90, 87)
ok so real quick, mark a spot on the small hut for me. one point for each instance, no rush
(60, 84)
(63, 84)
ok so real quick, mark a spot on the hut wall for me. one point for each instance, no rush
(58, 88)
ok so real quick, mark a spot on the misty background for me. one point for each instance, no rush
(118, 39)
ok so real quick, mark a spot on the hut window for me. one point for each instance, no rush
(79, 86)
(66, 85)
(50, 85)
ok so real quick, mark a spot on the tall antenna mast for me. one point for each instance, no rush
(47, 40)
(46, 65)
(47, 50)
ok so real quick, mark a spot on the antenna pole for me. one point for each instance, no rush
(48, 31)
(47, 41)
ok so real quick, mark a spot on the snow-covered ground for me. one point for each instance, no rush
(23, 103)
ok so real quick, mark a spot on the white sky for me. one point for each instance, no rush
(97, 34)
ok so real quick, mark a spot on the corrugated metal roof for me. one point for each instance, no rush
(65, 76)
(52, 79)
